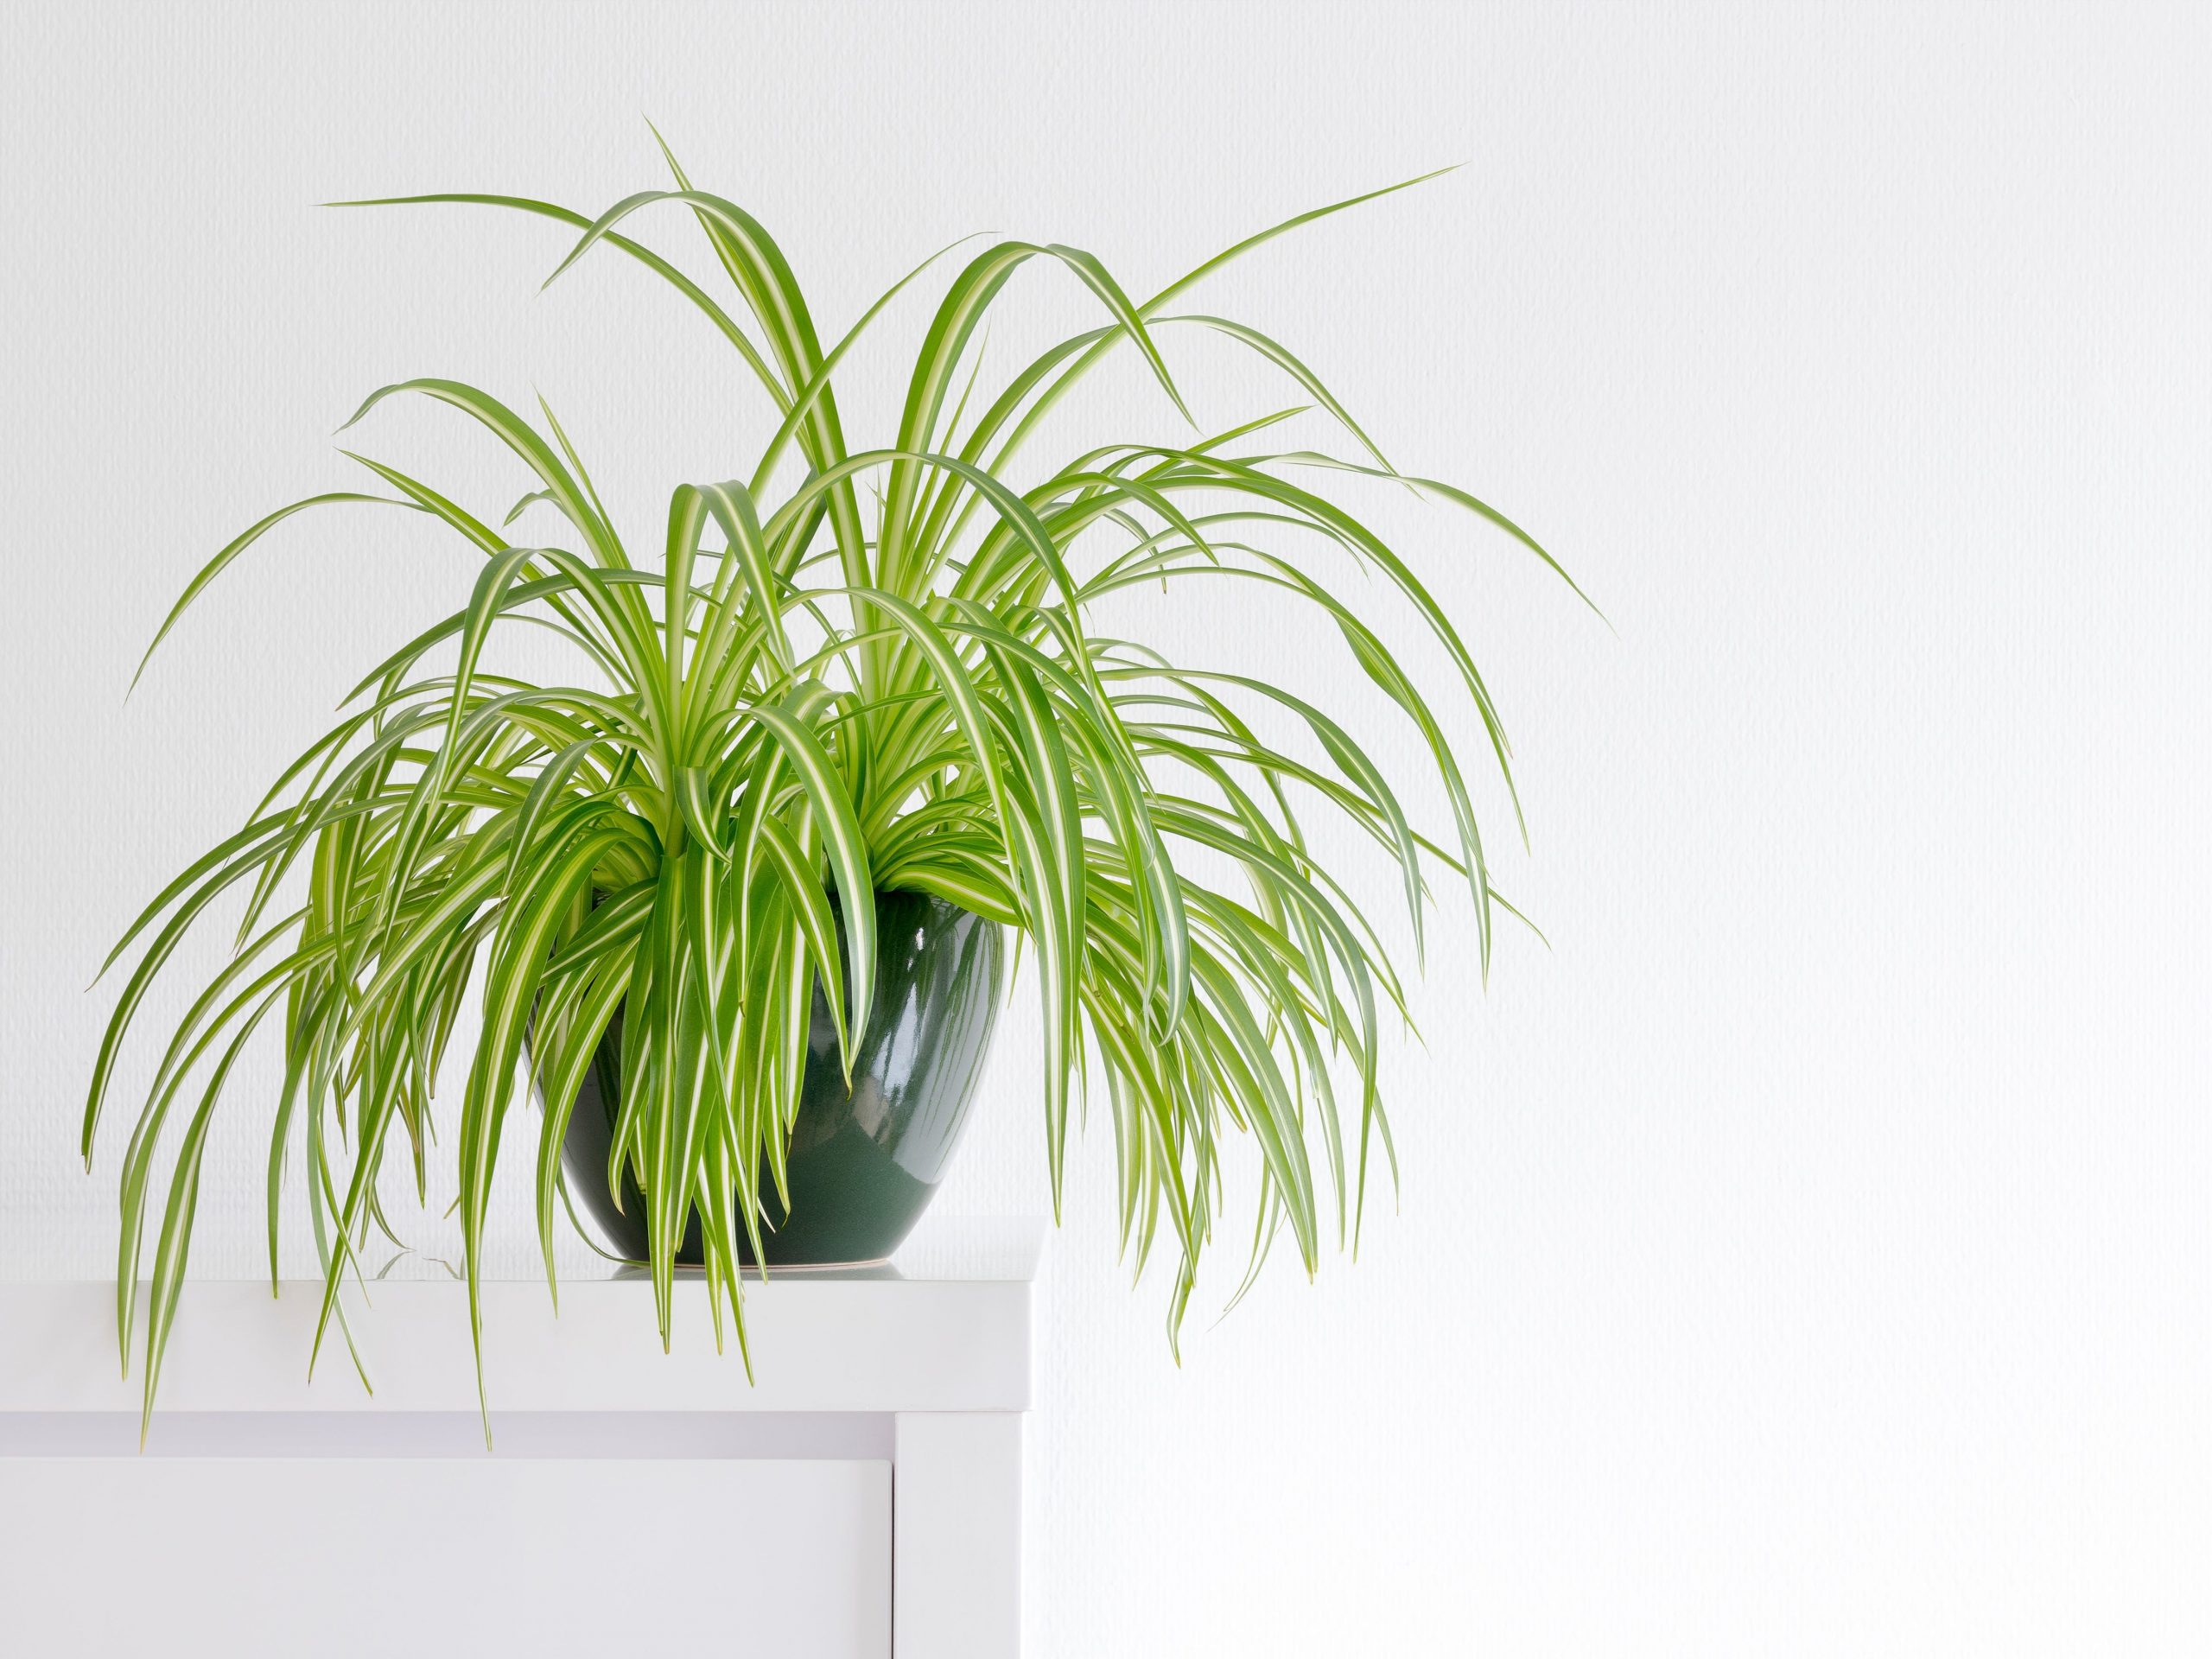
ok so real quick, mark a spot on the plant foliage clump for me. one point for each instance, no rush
(870, 669)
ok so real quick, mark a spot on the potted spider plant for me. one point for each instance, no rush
(738, 891)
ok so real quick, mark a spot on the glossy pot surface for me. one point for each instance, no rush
(863, 1164)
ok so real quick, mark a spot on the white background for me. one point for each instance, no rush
(1807, 1253)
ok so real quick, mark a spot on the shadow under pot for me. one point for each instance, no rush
(863, 1164)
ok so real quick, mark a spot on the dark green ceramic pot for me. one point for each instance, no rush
(863, 1164)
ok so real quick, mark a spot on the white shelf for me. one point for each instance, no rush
(879, 1444)
(945, 1327)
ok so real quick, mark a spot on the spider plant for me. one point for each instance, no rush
(851, 669)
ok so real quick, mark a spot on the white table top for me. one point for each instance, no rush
(945, 1327)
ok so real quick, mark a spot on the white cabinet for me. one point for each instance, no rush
(365, 1557)
(862, 1499)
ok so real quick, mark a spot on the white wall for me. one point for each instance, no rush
(1808, 1254)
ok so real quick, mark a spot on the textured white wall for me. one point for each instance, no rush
(1808, 1254)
